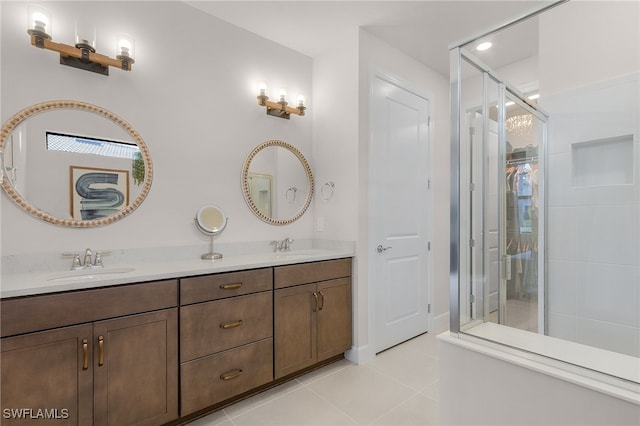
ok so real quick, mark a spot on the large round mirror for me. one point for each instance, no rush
(211, 221)
(277, 182)
(74, 164)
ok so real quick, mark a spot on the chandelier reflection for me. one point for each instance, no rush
(519, 124)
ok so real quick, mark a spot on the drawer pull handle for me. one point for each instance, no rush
(85, 354)
(233, 286)
(231, 325)
(231, 375)
(100, 351)
(315, 306)
(321, 300)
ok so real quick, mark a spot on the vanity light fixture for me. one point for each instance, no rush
(83, 55)
(281, 108)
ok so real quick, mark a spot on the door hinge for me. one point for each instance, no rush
(472, 243)
(429, 308)
(473, 298)
(472, 131)
(429, 245)
(472, 187)
(429, 183)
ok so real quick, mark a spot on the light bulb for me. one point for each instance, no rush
(125, 46)
(282, 94)
(40, 22)
(262, 88)
(300, 100)
(39, 19)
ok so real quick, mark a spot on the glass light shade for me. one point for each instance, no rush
(262, 88)
(300, 100)
(39, 19)
(126, 46)
(282, 94)
(85, 34)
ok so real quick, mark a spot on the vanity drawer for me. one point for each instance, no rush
(218, 286)
(210, 327)
(304, 273)
(35, 313)
(207, 381)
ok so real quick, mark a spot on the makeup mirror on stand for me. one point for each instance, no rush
(210, 220)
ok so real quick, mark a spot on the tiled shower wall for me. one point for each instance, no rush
(593, 294)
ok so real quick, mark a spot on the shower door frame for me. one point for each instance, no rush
(506, 91)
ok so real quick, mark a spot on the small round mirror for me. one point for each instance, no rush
(277, 182)
(211, 221)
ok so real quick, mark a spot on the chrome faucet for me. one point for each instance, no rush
(89, 260)
(283, 245)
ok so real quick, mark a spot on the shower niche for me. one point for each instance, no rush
(602, 162)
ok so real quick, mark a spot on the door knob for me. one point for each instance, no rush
(380, 249)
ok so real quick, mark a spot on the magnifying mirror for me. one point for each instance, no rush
(210, 220)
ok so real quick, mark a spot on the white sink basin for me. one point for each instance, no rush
(88, 274)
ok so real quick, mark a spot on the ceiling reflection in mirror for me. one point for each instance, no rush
(277, 182)
(74, 164)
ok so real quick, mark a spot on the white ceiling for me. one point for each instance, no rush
(422, 29)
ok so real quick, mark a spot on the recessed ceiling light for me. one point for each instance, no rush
(484, 46)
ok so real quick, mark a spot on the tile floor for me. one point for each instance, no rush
(398, 387)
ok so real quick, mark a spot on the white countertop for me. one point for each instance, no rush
(142, 269)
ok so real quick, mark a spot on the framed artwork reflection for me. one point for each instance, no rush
(98, 193)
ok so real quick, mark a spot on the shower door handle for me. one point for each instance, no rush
(506, 267)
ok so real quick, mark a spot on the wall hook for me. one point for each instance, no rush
(327, 190)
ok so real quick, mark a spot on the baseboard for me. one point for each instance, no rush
(360, 355)
(440, 323)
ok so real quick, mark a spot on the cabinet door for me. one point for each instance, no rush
(295, 329)
(334, 318)
(49, 371)
(136, 369)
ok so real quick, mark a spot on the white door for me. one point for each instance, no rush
(399, 213)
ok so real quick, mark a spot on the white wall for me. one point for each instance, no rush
(590, 86)
(335, 152)
(584, 41)
(191, 95)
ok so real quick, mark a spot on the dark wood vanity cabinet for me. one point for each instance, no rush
(312, 314)
(226, 329)
(128, 354)
(118, 367)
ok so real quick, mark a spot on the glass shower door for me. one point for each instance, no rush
(521, 133)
